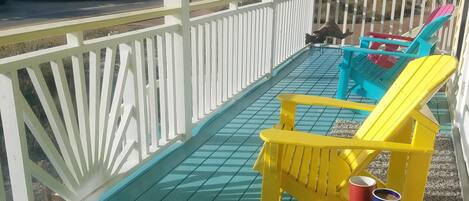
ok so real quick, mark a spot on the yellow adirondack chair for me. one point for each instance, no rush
(315, 167)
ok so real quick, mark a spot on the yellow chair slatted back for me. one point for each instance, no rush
(411, 91)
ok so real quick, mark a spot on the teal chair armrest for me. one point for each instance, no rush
(385, 41)
(382, 52)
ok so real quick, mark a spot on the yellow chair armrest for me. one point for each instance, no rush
(424, 115)
(277, 136)
(323, 101)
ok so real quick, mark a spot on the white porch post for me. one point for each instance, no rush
(183, 66)
(15, 138)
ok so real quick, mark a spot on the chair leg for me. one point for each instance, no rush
(417, 172)
(271, 178)
(344, 76)
(270, 189)
(343, 82)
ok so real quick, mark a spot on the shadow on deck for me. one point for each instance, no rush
(217, 163)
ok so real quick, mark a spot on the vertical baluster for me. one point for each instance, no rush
(354, 19)
(233, 49)
(365, 9)
(230, 55)
(225, 60)
(319, 20)
(287, 28)
(208, 67)
(393, 11)
(152, 92)
(219, 66)
(271, 37)
(195, 76)
(163, 88)
(401, 20)
(311, 8)
(201, 69)
(328, 10)
(451, 35)
(344, 24)
(304, 19)
(214, 71)
(297, 35)
(277, 23)
(236, 50)
(171, 104)
(383, 15)
(283, 29)
(445, 33)
(263, 37)
(373, 16)
(245, 50)
(336, 17)
(241, 52)
(422, 12)
(256, 49)
(291, 27)
(412, 15)
(249, 46)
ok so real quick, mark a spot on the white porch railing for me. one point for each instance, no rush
(403, 17)
(99, 108)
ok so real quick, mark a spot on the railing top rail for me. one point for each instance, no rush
(27, 33)
(225, 13)
(31, 58)
(51, 29)
(209, 4)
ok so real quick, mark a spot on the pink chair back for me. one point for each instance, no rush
(440, 11)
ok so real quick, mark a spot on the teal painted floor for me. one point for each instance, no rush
(221, 167)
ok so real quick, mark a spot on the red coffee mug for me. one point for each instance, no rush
(361, 188)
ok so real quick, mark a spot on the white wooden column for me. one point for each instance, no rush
(15, 138)
(183, 65)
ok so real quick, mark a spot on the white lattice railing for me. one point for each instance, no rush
(98, 108)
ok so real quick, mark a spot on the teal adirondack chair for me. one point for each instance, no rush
(371, 80)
